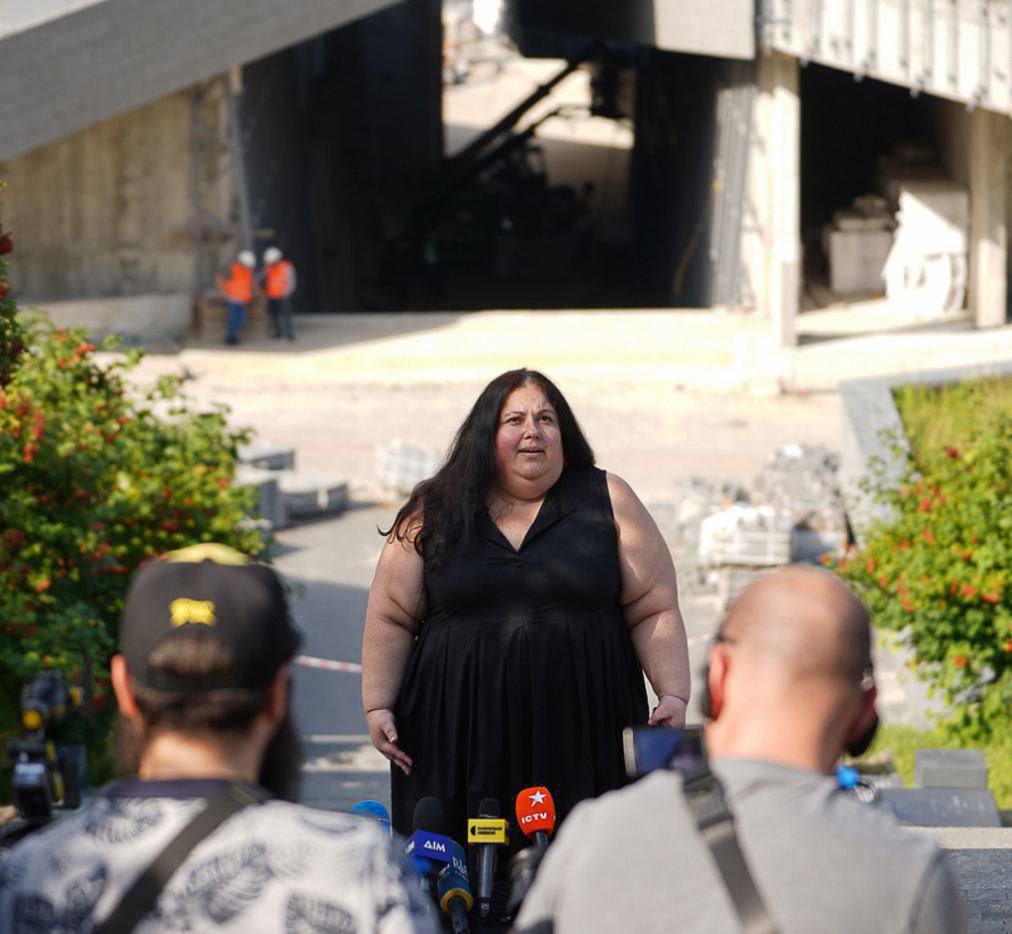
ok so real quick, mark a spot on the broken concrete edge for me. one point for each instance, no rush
(872, 427)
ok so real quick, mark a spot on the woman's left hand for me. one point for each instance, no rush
(670, 711)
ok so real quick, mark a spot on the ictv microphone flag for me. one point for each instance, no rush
(536, 814)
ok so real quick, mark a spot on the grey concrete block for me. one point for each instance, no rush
(942, 807)
(950, 768)
(307, 494)
(271, 505)
(267, 456)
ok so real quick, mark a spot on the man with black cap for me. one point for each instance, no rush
(202, 838)
(777, 845)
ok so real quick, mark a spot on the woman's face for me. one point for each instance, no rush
(529, 442)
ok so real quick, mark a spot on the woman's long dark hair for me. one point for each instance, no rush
(441, 515)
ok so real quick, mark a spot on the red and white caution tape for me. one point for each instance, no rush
(327, 664)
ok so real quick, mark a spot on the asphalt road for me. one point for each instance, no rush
(329, 565)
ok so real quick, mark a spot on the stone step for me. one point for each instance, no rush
(308, 493)
(950, 768)
(942, 807)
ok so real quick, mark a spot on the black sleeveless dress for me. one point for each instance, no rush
(523, 672)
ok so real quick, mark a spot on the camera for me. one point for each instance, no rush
(45, 775)
(649, 748)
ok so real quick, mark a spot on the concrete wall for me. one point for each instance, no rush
(104, 59)
(138, 319)
(338, 132)
(104, 212)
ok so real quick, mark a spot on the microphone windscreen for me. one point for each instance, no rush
(428, 815)
(372, 809)
(535, 810)
(489, 807)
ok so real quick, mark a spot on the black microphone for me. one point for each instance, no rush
(523, 869)
(428, 846)
(487, 831)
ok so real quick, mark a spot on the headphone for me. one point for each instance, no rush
(855, 748)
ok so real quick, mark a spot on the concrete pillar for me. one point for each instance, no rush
(779, 83)
(771, 229)
(989, 156)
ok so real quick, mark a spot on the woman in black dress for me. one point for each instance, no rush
(520, 597)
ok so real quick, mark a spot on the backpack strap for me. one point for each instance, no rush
(704, 795)
(141, 897)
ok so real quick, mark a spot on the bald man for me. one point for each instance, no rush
(789, 689)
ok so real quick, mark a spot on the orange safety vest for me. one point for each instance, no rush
(239, 285)
(279, 278)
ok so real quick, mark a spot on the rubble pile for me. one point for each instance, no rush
(726, 535)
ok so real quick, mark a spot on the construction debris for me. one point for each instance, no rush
(726, 536)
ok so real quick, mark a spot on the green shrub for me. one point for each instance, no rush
(96, 478)
(10, 330)
(937, 571)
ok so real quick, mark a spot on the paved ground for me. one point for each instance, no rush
(661, 395)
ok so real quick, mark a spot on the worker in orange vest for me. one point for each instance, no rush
(279, 283)
(238, 292)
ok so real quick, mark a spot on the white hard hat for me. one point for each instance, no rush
(272, 254)
(247, 258)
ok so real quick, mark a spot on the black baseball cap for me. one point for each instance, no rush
(218, 590)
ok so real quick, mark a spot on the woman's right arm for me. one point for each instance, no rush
(391, 618)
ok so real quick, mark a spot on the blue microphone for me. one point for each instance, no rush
(428, 846)
(374, 811)
(453, 890)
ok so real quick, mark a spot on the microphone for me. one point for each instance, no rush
(489, 830)
(428, 846)
(523, 869)
(536, 814)
(374, 811)
(453, 890)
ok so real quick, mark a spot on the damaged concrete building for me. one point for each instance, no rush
(143, 144)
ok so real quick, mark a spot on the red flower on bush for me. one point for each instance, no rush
(959, 661)
(952, 453)
(968, 591)
(43, 585)
(924, 505)
(883, 581)
(991, 597)
(928, 537)
(869, 565)
(908, 604)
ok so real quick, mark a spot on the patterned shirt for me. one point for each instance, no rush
(272, 867)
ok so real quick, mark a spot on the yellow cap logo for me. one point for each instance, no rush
(487, 830)
(183, 611)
